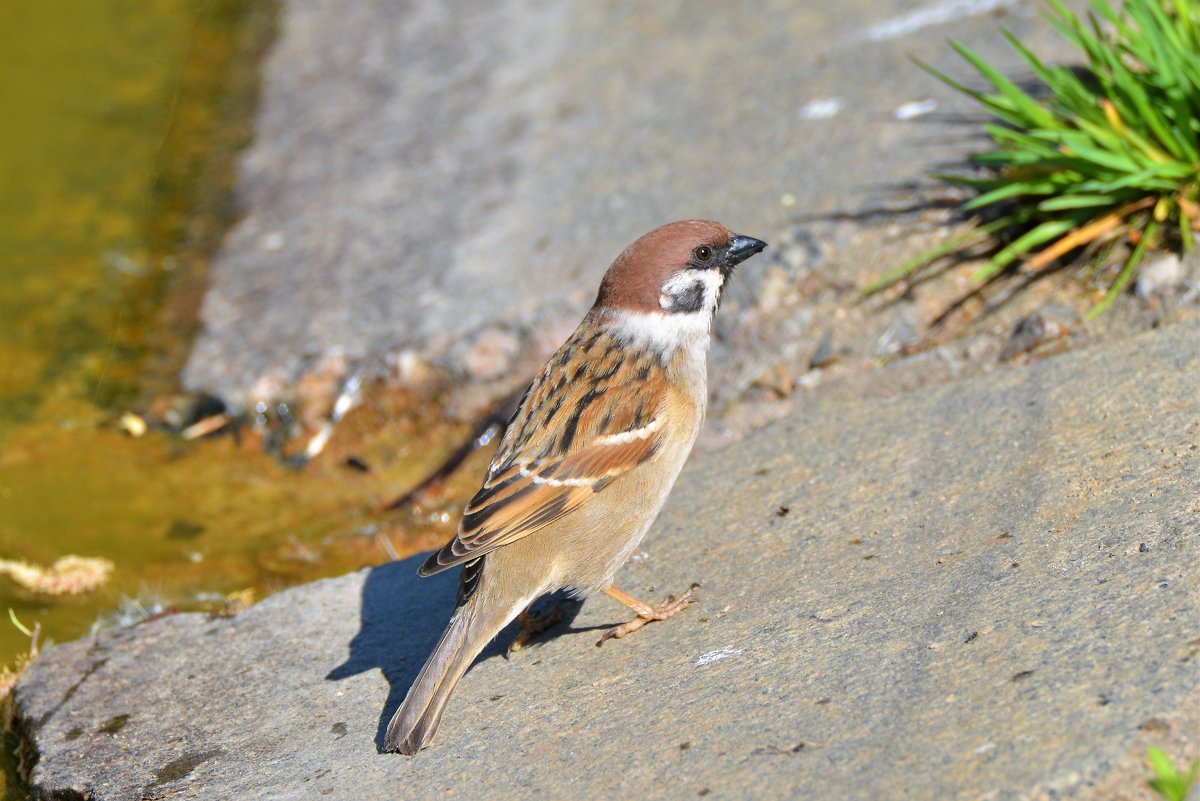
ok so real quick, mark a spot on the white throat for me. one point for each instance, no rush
(687, 303)
(663, 331)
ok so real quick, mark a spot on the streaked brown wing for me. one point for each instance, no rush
(583, 422)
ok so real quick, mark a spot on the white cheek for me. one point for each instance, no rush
(680, 282)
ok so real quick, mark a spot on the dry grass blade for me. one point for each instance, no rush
(1086, 234)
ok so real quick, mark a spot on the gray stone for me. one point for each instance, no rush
(423, 171)
(984, 589)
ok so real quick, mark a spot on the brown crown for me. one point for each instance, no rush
(634, 280)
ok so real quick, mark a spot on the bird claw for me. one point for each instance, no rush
(532, 626)
(668, 608)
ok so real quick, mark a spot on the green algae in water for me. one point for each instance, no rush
(118, 116)
(88, 92)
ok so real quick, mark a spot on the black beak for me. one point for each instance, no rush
(742, 248)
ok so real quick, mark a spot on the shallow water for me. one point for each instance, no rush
(122, 123)
(89, 93)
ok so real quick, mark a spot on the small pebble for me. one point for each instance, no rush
(355, 463)
(491, 353)
(1160, 276)
(892, 341)
(824, 354)
(1046, 324)
(133, 424)
(412, 370)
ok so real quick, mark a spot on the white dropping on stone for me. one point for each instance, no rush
(821, 109)
(913, 109)
(716, 656)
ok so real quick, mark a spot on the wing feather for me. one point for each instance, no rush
(576, 430)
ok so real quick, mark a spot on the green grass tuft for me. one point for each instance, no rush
(1096, 155)
(1167, 782)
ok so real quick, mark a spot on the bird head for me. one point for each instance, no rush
(678, 269)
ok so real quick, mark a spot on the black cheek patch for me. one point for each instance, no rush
(690, 299)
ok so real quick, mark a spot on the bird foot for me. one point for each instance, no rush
(533, 625)
(647, 614)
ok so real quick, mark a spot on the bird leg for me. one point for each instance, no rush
(645, 613)
(533, 625)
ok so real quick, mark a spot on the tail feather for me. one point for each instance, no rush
(415, 722)
(417, 719)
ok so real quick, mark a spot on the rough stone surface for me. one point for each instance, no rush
(423, 171)
(982, 590)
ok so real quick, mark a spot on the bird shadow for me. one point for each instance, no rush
(401, 619)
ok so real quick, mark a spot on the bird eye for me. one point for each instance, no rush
(702, 253)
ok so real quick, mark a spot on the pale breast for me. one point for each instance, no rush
(601, 536)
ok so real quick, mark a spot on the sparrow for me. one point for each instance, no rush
(588, 458)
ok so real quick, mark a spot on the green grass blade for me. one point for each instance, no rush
(1187, 28)
(1180, 130)
(1051, 229)
(1022, 102)
(1167, 781)
(1064, 202)
(1127, 273)
(946, 79)
(1185, 231)
(1015, 189)
(1061, 82)
(1129, 87)
(1128, 142)
(909, 266)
